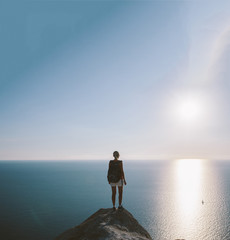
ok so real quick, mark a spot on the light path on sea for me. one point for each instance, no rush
(192, 203)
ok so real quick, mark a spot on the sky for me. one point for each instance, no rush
(81, 79)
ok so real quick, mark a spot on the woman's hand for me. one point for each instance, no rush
(125, 182)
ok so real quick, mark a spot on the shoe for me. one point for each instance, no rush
(120, 207)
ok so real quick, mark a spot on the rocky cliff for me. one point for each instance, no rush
(106, 224)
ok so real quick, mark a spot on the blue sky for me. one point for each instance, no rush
(80, 79)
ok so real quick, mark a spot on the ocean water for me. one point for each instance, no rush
(41, 199)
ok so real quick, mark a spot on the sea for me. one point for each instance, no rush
(172, 199)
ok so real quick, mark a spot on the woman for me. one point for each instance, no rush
(116, 178)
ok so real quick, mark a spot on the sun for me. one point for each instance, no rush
(188, 109)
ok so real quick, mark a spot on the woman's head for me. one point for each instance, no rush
(116, 154)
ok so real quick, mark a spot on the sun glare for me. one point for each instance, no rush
(189, 108)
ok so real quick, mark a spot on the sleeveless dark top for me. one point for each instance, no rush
(114, 172)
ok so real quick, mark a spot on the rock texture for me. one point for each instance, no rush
(106, 224)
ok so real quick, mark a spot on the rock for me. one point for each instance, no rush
(106, 224)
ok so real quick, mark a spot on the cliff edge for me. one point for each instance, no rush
(106, 224)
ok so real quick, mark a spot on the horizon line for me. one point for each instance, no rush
(154, 159)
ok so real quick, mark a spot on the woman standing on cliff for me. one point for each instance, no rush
(116, 178)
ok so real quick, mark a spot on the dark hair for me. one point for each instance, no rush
(116, 154)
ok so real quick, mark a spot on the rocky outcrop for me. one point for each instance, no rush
(106, 224)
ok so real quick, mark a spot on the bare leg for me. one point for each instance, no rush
(113, 195)
(120, 189)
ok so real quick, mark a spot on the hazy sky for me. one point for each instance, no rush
(80, 79)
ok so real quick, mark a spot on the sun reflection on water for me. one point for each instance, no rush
(188, 184)
(192, 206)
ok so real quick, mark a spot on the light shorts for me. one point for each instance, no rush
(119, 183)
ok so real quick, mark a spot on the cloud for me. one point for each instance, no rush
(218, 71)
(218, 82)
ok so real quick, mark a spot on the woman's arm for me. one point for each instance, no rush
(122, 173)
(108, 172)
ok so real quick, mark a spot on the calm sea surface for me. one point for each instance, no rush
(39, 200)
